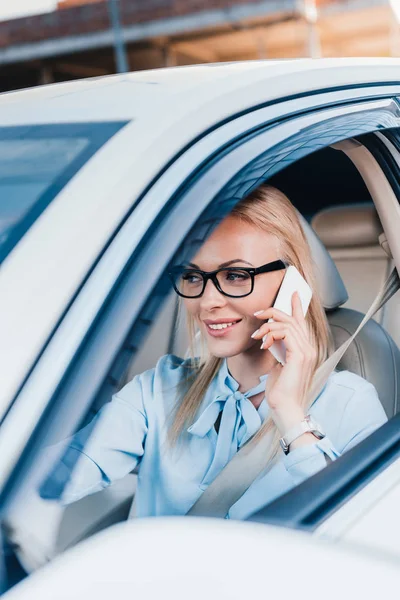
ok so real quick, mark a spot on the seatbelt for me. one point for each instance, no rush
(249, 462)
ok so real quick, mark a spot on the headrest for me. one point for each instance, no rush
(348, 226)
(330, 285)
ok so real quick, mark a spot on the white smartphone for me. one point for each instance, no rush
(292, 282)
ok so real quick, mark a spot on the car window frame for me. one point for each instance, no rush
(142, 253)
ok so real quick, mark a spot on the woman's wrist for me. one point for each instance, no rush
(287, 417)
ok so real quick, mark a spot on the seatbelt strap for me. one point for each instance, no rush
(249, 462)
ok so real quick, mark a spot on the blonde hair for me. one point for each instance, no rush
(271, 211)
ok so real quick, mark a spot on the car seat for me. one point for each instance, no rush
(351, 235)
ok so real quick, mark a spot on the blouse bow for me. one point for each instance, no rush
(239, 421)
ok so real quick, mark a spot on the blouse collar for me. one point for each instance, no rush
(226, 381)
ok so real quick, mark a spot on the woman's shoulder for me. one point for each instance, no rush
(158, 384)
(349, 381)
(170, 365)
(349, 409)
(347, 388)
(348, 392)
(169, 371)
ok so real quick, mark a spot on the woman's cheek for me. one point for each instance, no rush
(192, 309)
(261, 302)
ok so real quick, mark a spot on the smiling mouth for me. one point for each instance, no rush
(221, 328)
(222, 325)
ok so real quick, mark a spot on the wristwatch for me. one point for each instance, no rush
(307, 425)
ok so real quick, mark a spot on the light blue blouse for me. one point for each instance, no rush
(131, 431)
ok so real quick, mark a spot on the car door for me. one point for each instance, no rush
(110, 332)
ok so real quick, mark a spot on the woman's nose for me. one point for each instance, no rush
(211, 296)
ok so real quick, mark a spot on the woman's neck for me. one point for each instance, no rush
(248, 367)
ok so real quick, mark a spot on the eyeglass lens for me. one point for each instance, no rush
(234, 282)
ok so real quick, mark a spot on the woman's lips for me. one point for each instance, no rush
(220, 332)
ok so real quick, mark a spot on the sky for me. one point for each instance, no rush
(10, 9)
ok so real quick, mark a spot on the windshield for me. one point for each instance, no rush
(36, 163)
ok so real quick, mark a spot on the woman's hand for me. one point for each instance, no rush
(288, 384)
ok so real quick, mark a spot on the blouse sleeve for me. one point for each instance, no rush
(107, 449)
(362, 415)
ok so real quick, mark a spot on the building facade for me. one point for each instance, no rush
(77, 40)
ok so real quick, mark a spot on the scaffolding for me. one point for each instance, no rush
(80, 40)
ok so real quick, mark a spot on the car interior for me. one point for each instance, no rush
(345, 233)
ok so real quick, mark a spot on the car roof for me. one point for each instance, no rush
(138, 94)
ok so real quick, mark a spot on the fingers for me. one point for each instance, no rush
(295, 338)
(280, 316)
(292, 342)
(301, 350)
(288, 326)
(297, 309)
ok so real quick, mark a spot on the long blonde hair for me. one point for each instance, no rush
(271, 211)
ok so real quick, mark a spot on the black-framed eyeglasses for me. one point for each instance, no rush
(235, 282)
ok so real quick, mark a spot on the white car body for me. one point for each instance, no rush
(167, 112)
(213, 559)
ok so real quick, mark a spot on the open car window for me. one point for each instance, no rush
(129, 336)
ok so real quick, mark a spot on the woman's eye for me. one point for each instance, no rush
(191, 277)
(237, 276)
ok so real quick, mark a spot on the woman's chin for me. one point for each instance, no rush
(227, 352)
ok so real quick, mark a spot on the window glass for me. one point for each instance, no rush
(27, 169)
(88, 465)
(35, 165)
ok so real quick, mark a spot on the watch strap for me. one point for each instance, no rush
(305, 426)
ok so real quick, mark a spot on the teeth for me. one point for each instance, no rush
(220, 326)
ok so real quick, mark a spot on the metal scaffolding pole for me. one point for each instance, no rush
(309, 10)
(121, 60)
(395, 28)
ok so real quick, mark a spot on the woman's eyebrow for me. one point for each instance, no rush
(225, 264)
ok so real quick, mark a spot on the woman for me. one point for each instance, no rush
(183, 420)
